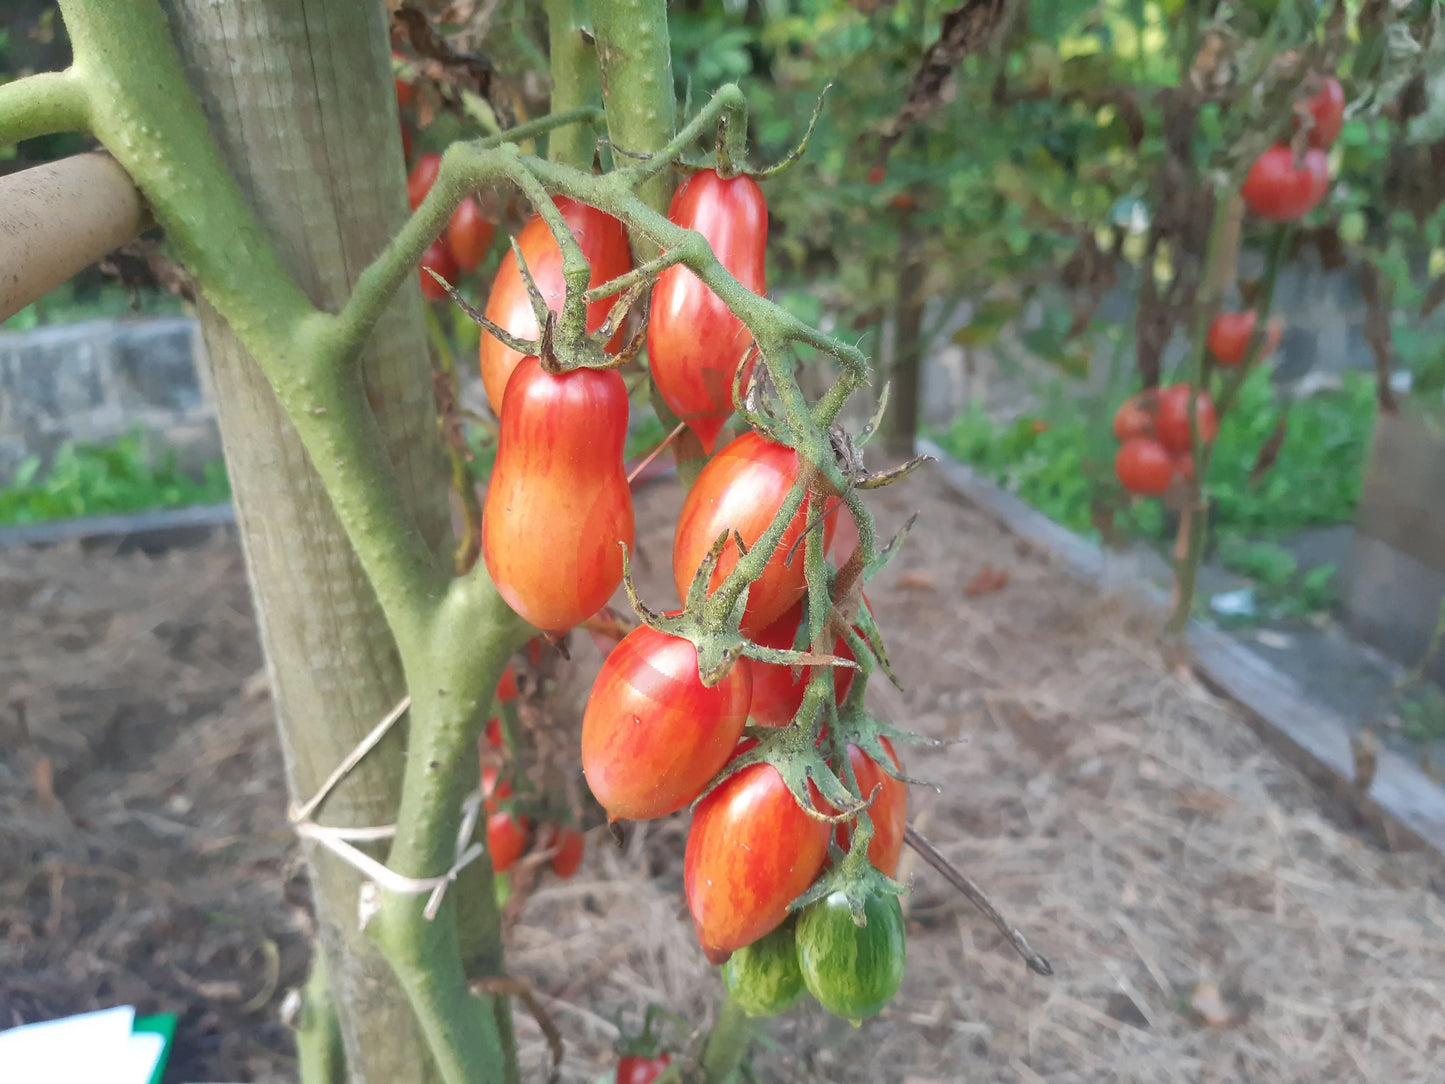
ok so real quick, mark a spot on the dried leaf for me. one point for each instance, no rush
(1209, 1005)
(986, 582)
(916, 581)
(962, 30)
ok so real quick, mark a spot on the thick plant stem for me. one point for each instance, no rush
(900, 427)
(576, 80)
(42, 104)
(635, 52)
(728, 1043)
(320, 1057)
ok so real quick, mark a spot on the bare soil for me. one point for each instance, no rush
(1208, 918)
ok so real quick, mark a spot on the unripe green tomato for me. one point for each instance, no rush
(852, 970)
(764, 978)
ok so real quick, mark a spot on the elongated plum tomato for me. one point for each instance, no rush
(889, 813)
(422, 176)
(1327, 106)
(558, 507)
(506, 839)
(852, 970)
(777, 693)
(751, 851)
(694, 342)
(604, 243)
(570, 846)
(439, 258)
(470, 234)
(740, 490)
(1171, 426)
(1229, 334)
(1135, 416)
(1278, 190)
(653, 735)
(1143, 466)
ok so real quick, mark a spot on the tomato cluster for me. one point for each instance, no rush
(1283, 186)
(1155, 446)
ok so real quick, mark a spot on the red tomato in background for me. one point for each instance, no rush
(506, 839)
(1229, 335)
(876, 175)
(777, 694)
(406, 141)
(1143, 466)
(494, 790)
(1327, 106)
(637, 1069)
(558, 504)
(1278, 190)
(494, 732)
(1135, 416)
(604, 243)
(570, 848)
(440, 259)
(1172, 423)
(751, 851)
(653, 735)
(740, 489)
(470, 234)
(405, 92)
(423, 175)
(889, 813)
(694, 342)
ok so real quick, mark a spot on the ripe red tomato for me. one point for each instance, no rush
(653, 735)
(739, 490)
(1172, 423)
(751, 851)
(440, 259)
(506, 839)
(494, 790)
(494, 732)
(1143, 466)
(470, 234)
(1327, 106)
(507, 686)
(1135, 416)
(777, 693)
(423, 175)
(889, 813)
(405, 92)
(604, 243)
(637, 1069)
(694, 342)
(1277, 190)
(405, 141)
(558, 507)
(1229, 334)
(570, 848)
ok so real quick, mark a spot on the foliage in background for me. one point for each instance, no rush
(95, 480)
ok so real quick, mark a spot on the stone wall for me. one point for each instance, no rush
(101, 379)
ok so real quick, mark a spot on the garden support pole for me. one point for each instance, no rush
(298, 98)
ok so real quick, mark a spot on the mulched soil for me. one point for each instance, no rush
(1207, 917)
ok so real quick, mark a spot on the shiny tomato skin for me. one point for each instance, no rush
(1277, 190)
(604, 243)
(1172, 423)
(751, 851)
(558, 508)
(570, 849)
(740, 489)
(1143, 466)
(1327, 105)
(506, 839)
(440, 259)
(777, 693)
(423, 175)
(1135, 416)
(637, 1069)
(889, 813)
(470, 234)
(653, 735)
(694, 342)
(1229, 334)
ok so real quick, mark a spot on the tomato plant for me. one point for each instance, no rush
(469, 234)
(558, 476)
(751, 850)
(852, 970)
(438, 258)
(777, 689)
(603, 242)
(641, 1069)
(1135, 416)
(738, 492)
(1279, 189)
(1230, 332)
(694, 342)
(653, 734)
(570, 847)
(889, 813)
(1171, 424)
(423, 175)
(1327, 107)
(506, 839)
(1144, 466)
(764, 977)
